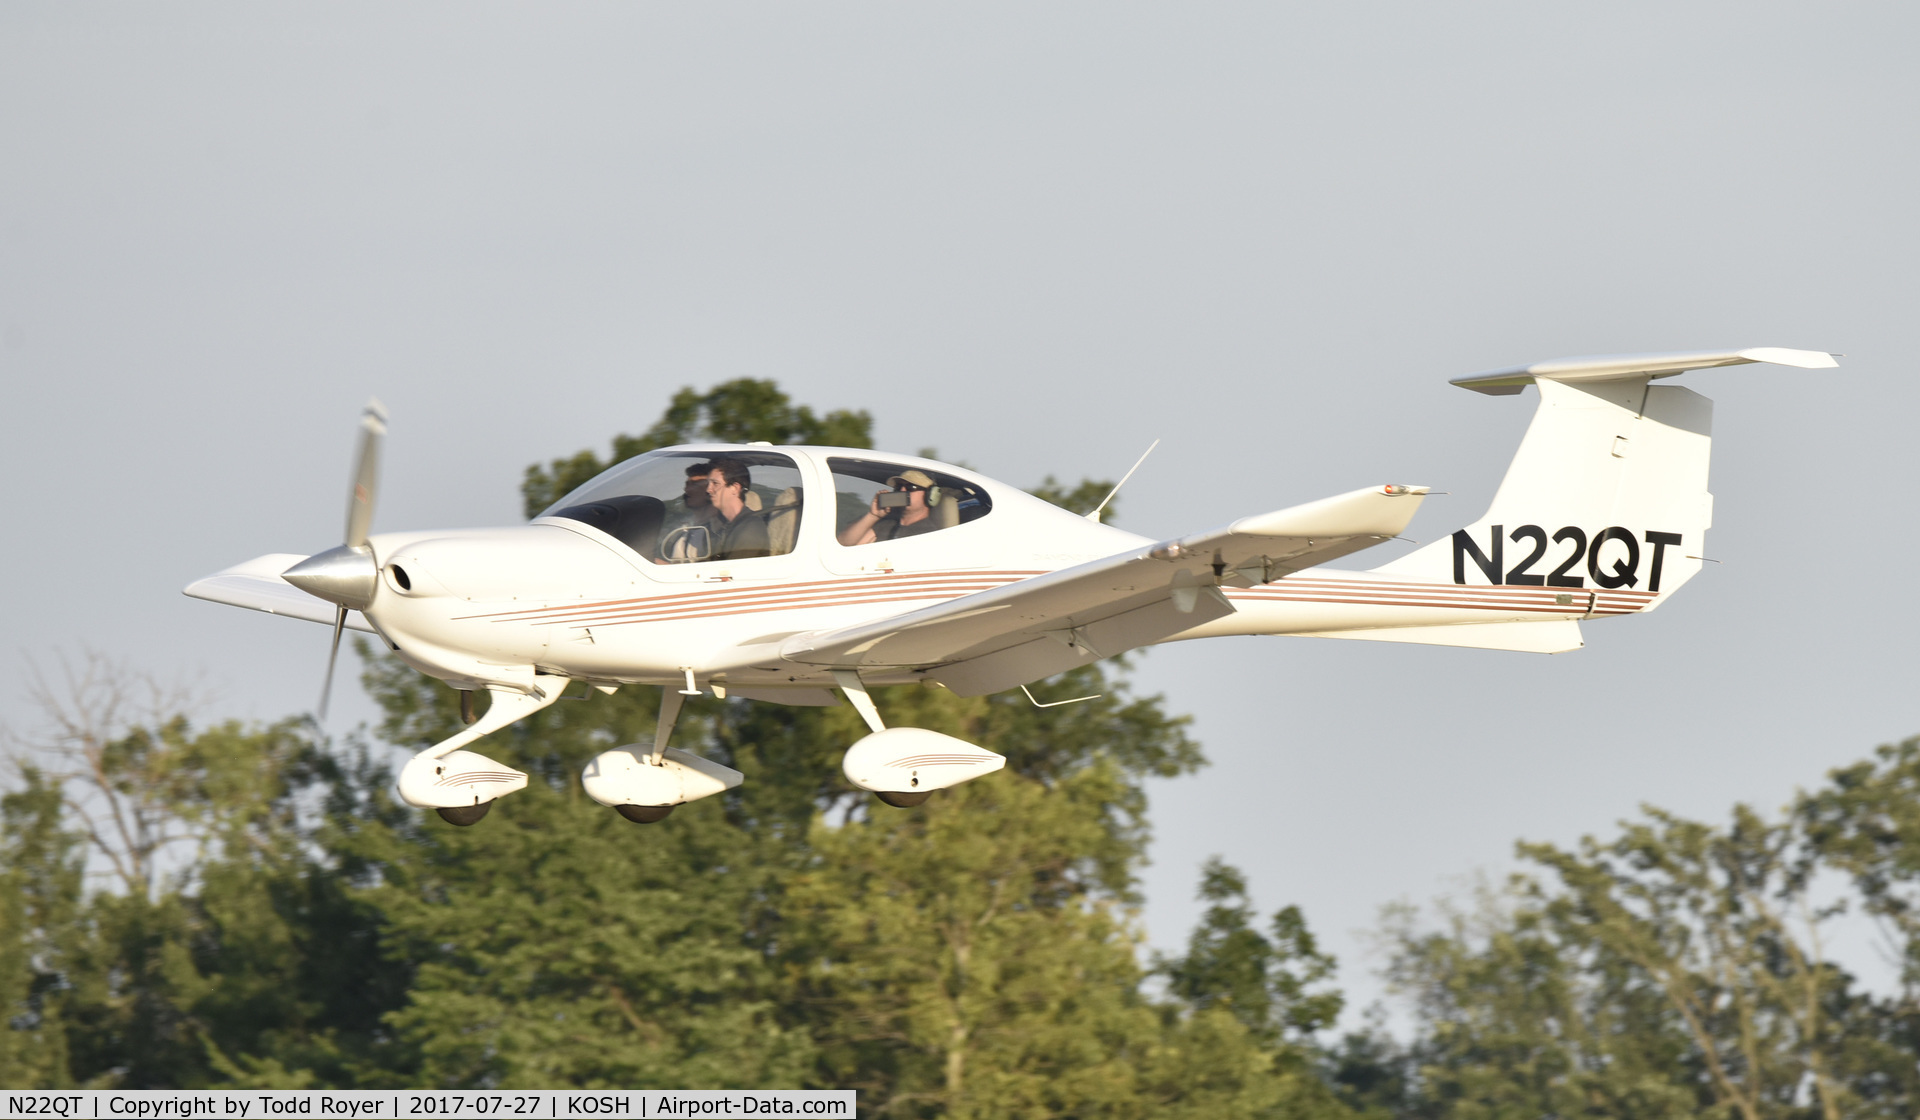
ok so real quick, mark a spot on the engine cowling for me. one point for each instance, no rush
(913, 760)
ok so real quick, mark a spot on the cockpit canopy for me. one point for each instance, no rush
(665, 504)
(661, 505)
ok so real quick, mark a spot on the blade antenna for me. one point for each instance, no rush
(1095, 515)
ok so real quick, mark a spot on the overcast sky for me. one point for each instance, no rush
(1036, 237)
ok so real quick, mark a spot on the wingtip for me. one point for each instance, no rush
(1799, 359)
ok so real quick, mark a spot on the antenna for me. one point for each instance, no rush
(1095, 515)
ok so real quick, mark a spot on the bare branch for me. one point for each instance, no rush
(94, 709)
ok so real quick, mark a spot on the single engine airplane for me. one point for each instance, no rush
(787, 574)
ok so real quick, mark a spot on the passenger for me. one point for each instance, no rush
(886, 523)
(741, 534)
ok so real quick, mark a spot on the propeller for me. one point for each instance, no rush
(366, 474)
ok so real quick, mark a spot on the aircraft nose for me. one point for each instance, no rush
(344, 576)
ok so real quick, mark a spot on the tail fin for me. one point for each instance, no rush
(1607, 496)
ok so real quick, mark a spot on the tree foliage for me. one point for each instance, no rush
(1270, 983)
(1675, 970)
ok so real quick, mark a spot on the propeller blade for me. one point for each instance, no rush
(366, 473)
(326, 689)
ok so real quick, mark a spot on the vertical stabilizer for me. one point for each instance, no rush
(1607, 497)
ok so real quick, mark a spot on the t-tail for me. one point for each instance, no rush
(1605, 506)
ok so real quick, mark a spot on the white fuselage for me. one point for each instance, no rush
(494, 606)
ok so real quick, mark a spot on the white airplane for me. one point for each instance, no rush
(783, 574)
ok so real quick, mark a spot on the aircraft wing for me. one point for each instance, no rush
(256, 585)
(994, 640)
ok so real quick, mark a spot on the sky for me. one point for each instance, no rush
(1036, 238)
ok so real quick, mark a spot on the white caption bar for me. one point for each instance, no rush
(549, 1104)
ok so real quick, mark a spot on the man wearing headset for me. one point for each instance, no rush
(896, 519)
(741, 533)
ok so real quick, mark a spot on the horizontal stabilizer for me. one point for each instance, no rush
(1622, 367)
(257, 586)
(1558, 636)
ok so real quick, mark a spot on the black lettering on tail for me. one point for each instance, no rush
(1659, 541)
(1490, 566)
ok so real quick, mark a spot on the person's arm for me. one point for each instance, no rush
(861, 531)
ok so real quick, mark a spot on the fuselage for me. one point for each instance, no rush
(600, 588)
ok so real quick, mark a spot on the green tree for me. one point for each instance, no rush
(40, 870)
(1265, 982)
(228, 954)
(1510, 1024)
(1865, 824)
(972, 955)
(1675, 970)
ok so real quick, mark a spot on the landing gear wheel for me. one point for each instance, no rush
(643, 814)
(904, 800)
(465, 815)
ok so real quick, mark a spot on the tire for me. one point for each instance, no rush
(465, 816)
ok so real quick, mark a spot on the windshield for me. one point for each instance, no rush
(679, 507)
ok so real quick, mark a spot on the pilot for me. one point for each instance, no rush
(741, 533)
(891, 522)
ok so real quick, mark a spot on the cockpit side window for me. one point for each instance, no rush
(680, 507)
(876, 501)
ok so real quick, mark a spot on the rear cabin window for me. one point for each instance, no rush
(665, 505)
(876, 501)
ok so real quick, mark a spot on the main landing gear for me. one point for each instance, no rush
(645, 785)
(901, 766)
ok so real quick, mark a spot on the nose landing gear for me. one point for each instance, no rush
(460, 785)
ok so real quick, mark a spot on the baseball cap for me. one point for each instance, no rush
(915, 478)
